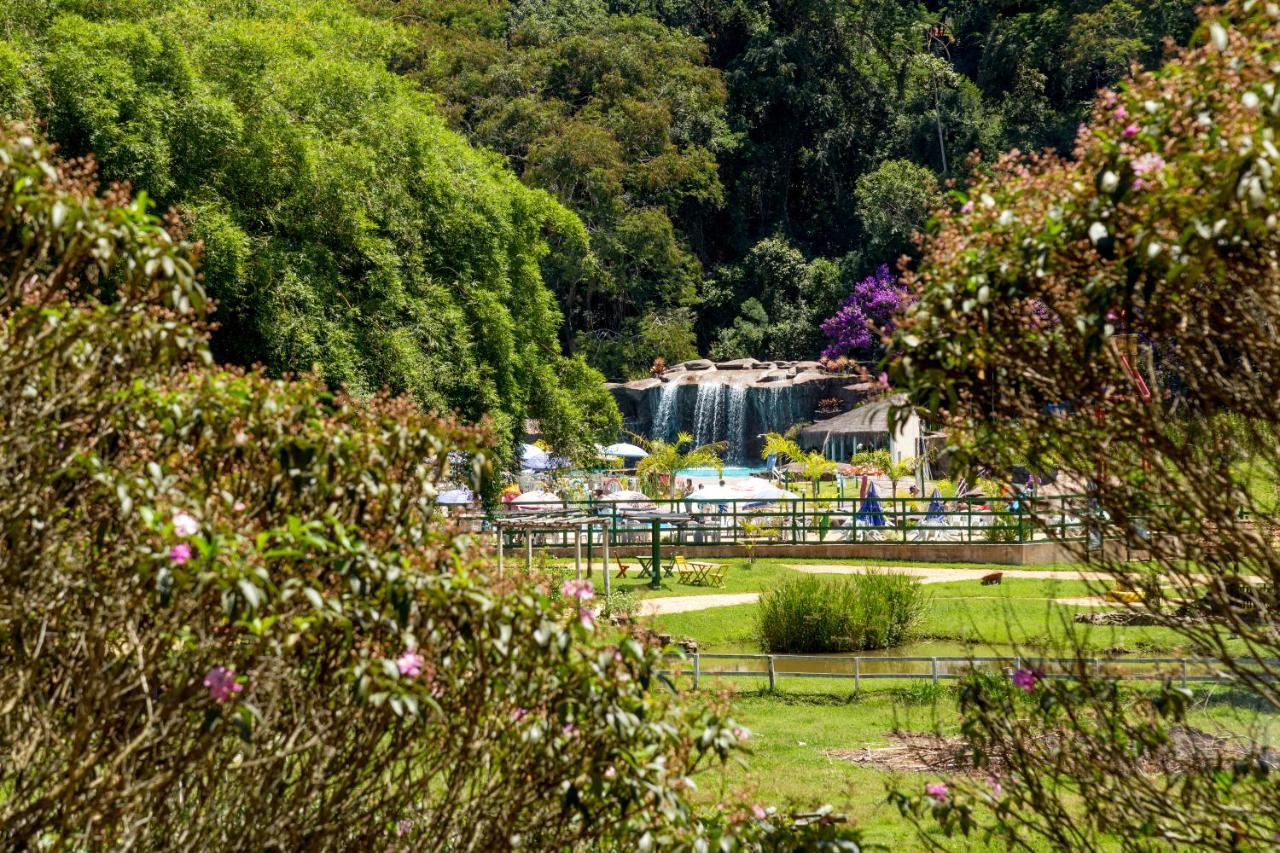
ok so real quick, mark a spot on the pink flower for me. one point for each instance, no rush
(586, 618)
(403, 827)
(1131, 131)
(519, 714)
(581, 590)
(759, 812)
(569, 730)
(967, 207)
(1027, 678)
(1148, 164)
(410, 663)
(883, 380)
(1121, 113)
(741, 733)
(937, 790)
(238, 506)
(222, 684)
(996, 787)
(180, 553)
(185, 524)
(610, 772)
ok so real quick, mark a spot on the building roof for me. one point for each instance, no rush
(870, 417)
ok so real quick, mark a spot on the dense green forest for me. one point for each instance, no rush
(737, 164)
(487, 204)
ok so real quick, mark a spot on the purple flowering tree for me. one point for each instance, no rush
(853, 329)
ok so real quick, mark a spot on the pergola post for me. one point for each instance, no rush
(528, 550)
(577, 553)
(606, 562)
(498, 525)
(656, 554)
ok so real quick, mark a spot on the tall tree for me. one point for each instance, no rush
(618, 117)
(345, 227)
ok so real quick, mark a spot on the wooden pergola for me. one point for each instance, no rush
(552, 521)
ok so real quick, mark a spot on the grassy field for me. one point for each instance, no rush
(759, 577)
(796, 728)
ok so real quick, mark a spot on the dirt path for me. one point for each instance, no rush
(934, 575)
(689, 603)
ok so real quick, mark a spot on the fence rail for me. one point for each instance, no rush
(694, 524)
(863, 667)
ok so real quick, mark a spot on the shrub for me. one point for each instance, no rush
(854, 613)
(230, 615)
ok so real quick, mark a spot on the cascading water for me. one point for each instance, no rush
(665, 424)
(776, 407)
(736, 432)
(709, 413)
(731, 407)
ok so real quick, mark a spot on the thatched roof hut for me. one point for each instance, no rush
(865, 427)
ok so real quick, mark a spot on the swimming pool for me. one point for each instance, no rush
(729, 471)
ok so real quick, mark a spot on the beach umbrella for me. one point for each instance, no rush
(626, 451)
(716, 494)
(759, 490)
(534, 458)
(934, 515)
(537, 500)
(455, 496)
(870, 515)
(630, 499)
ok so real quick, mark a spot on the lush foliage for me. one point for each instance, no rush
(865, 316)
(1112, 317)
(657, 471)
(345, 227)
(853, 613)
(231, 615)
(774, 300)
(738, 167)
(814, 466)
(618, 117)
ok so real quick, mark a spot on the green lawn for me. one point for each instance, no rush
(795, 727)
(793, 731)
(964, 617)
(763, 574)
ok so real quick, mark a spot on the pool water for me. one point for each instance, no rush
(729, 471)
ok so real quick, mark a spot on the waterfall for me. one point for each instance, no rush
(709, 413)
(776, 407)
(737, 425)
(664, 422)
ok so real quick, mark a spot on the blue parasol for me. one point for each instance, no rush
(870, 515)
(935, 512)
(455, 496)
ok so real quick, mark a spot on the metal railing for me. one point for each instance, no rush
(936, 669)
(824, 520)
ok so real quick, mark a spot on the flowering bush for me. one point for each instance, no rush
(1106, 316)
(855, 329)
(231, 616)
